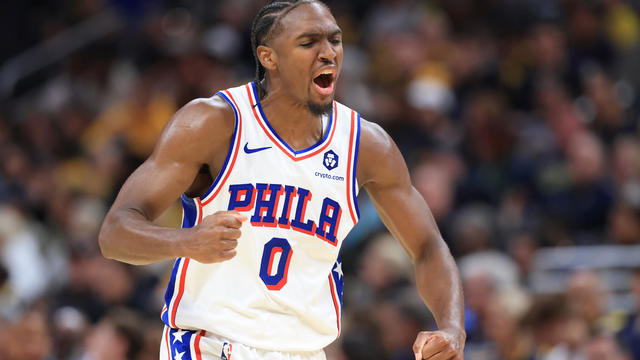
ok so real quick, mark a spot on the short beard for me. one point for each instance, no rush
(319, 109)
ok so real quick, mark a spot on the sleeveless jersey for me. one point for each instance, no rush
(283, 289)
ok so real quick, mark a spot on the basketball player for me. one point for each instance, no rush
(268, 174)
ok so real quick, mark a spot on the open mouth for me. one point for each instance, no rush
(324, 82)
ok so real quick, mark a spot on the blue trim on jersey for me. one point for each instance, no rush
(189, 219)
(338, 280)
(180, 346)
(355, 167)
(326, 135)
(165, 316)
(190, 208)
(168, 295)
(233, 141)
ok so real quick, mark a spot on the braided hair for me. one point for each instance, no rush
(262, 27)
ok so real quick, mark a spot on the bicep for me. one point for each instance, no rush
(153, 186)
(190, 139)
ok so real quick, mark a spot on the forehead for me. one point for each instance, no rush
(308, 18)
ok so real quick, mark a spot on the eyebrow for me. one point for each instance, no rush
(318, 34)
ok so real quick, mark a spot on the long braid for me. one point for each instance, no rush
(262, 27)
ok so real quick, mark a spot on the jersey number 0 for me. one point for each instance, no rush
(275, 246)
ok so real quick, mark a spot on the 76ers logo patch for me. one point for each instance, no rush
(330, 160)
(226, 351)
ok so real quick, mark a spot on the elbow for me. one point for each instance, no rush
(435, 250)
(110, 241)
(104, 240)
(103, 243)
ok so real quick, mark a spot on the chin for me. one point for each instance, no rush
(320, 109)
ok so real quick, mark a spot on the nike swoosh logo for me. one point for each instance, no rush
(251, 151)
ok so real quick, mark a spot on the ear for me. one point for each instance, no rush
(268, 57)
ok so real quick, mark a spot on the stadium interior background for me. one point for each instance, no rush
(518, 119)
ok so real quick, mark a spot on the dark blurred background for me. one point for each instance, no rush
(518, 119)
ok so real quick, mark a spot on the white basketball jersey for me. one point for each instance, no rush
(283, 289)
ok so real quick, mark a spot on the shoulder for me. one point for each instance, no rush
(203, 125)
(373, 138)
(204, 114)
(378, 155)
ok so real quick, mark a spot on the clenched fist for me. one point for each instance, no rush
(215, 238)
(439, 345)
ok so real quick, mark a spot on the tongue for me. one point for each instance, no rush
(323, 81)
(324, 84)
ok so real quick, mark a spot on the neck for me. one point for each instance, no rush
(291, 119)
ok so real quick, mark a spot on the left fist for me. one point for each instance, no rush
(439, 345)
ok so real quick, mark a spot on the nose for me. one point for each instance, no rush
(327, 53)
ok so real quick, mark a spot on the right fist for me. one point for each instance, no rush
(215, 238)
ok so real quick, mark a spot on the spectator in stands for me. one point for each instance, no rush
(548, 322)
(117, 336)
(584, 201)
(29, 338)
(586, 299)
(396, 318)
(501, 325)
(629, 336)
(69, 327)
(603, 347)
(384, 269)
(480, 289)
(624, 223)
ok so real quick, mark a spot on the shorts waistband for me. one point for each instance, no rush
(202, 345)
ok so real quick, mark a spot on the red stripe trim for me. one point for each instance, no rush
(349, 171)
(172, 304)
(183, 274)
(199, 211)
(277, 143)
(335, 302)
(235, 151)
(166, 338)
(255, 114)
(196, 345)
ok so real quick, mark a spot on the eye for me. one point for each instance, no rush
(307, 43)
(336, 41)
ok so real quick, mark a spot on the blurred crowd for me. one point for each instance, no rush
(519, 121)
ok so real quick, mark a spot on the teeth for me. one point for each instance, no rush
(327, 72)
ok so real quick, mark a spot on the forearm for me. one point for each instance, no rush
(128, 236)
(439, 285)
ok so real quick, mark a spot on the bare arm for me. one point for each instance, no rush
(198, 134)
(383, 173)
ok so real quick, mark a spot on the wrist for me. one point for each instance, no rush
(182, 245)
(456, 331)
